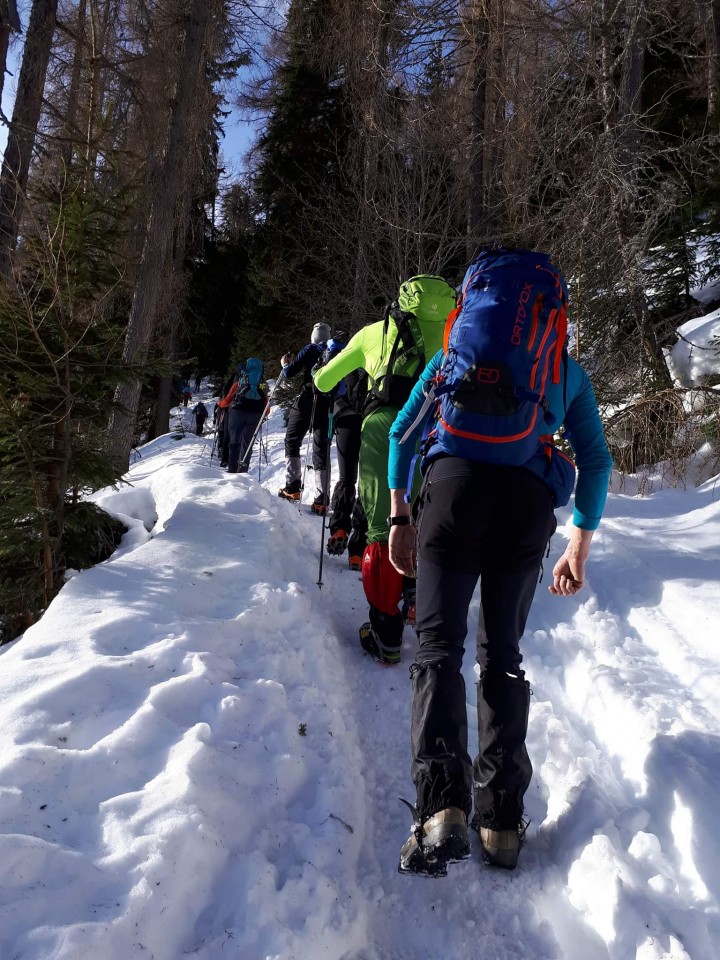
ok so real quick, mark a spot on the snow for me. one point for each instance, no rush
(197, 760)
(696, 355)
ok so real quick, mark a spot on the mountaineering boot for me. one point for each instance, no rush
(355, 562)
(500, 848)
(372, 644)
(291, 491)
(441, 839)
(318, 506)
(337, 543)
(502, 768)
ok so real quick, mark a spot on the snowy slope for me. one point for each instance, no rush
(197, 760)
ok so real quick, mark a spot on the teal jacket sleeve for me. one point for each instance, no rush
(401, 454)
(584, 431)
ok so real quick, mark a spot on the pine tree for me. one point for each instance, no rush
(60, 359)
(299, 173)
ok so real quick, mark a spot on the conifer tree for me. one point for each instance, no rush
(60, 360)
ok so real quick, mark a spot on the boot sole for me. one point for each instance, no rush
(338, 548)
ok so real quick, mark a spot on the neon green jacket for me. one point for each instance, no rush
(370, 350)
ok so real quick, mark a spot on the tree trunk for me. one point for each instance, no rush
(492, 142)
(175, 294)
(9, 23)
(626, 195)
(373, 109)
(712, 52)
(160, 224)
(71, 113)
(477, 26)
(23, 126)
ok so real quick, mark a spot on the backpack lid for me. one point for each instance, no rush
(254, 369)
(429, 298)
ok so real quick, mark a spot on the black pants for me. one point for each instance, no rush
(199, 425)
(301, 419)
(347, 442)
(475, 520)
(241, 424)
(358, 533)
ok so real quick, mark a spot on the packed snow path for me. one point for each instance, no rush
(197, 760)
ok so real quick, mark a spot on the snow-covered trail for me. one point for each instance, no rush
(198, 759)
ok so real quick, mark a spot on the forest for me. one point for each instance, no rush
(392, 137)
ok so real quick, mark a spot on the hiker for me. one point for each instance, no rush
(201, 416)
(221, 410)
(393, 352)
(198, 382)
(246, 408)
(185, 393)
(309, 411)
(491, 480)
(347, 421)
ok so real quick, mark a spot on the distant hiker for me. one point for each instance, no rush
(246, 408)
(309, 411)
(491, 479)
(201, 415)
(198, 383)
(185, 393)
(347, 423)
(393, 352)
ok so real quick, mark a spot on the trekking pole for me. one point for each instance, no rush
(218, 432)
(328, 477)
(307, 447)
(263, 450)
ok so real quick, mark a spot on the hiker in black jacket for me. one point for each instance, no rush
(347, 424)
(201, 415)
(310, 411)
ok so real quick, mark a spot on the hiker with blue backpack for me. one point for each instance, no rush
(246, 408)
(490, 402)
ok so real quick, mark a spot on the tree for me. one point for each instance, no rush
(23, 126)
(9, 23)
(168, 183)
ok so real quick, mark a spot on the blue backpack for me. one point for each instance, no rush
(253, 377)
(504, 344)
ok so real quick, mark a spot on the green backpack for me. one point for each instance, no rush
(425, 299)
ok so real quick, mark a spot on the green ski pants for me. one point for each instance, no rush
(373, 482)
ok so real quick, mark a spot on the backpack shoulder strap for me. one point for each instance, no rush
(405, 340)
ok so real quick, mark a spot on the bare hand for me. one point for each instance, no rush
(286, 359)
(568, 575)
(403, 554)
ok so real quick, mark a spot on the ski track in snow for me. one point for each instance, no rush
(199, 760)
